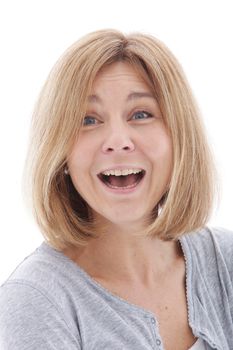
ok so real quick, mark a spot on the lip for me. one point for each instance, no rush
(123, 190)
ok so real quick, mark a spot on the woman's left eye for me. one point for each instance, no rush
(88, 120)
(142, 115)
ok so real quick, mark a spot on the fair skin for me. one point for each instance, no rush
(120, 134)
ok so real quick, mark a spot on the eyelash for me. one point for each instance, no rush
(149, 115)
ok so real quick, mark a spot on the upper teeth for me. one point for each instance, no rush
(118, 172)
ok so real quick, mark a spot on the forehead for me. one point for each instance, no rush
(120, 77)
(118, 71)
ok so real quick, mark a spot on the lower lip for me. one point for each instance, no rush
(124, 190)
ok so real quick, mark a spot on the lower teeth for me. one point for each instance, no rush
(117, 187)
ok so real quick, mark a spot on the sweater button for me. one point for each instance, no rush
(158, 342)
(153, 320)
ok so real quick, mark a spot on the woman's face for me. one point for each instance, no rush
(123, 134)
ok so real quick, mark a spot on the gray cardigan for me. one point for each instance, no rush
(51, 303)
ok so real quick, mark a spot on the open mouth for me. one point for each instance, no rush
(122, 181)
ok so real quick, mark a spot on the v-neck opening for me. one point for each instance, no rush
(116, 297)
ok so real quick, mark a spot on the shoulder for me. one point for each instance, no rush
(34, 308)
(223, 245)
(211, 248)
(223, 238)
(219, 237)
(46, 270)
(29, 320)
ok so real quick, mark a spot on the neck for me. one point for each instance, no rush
(123, 257)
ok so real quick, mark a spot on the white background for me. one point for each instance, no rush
(35, 33)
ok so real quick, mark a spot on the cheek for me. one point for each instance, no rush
(81, 164)
(78, 164)
(159, 147)
(81, 155)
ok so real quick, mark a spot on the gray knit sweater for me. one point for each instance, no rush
(51, 303)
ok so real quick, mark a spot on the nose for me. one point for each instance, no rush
(118, 140)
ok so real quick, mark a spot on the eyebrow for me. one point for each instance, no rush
(134, 95)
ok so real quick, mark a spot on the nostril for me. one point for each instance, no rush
(125, 148)
(117, 143)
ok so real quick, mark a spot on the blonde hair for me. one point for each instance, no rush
(62, 215)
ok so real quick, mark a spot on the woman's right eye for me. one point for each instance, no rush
(89, 120)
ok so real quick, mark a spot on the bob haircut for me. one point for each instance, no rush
(62, 214)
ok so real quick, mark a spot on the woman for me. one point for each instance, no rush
(122, 183)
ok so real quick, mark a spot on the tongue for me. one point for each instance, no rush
(123, 181)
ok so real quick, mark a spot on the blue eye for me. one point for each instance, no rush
(142, 115)
(89, 120)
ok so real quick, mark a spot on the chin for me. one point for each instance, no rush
(120, 218)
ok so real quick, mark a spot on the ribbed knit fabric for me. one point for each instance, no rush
(49, 302)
